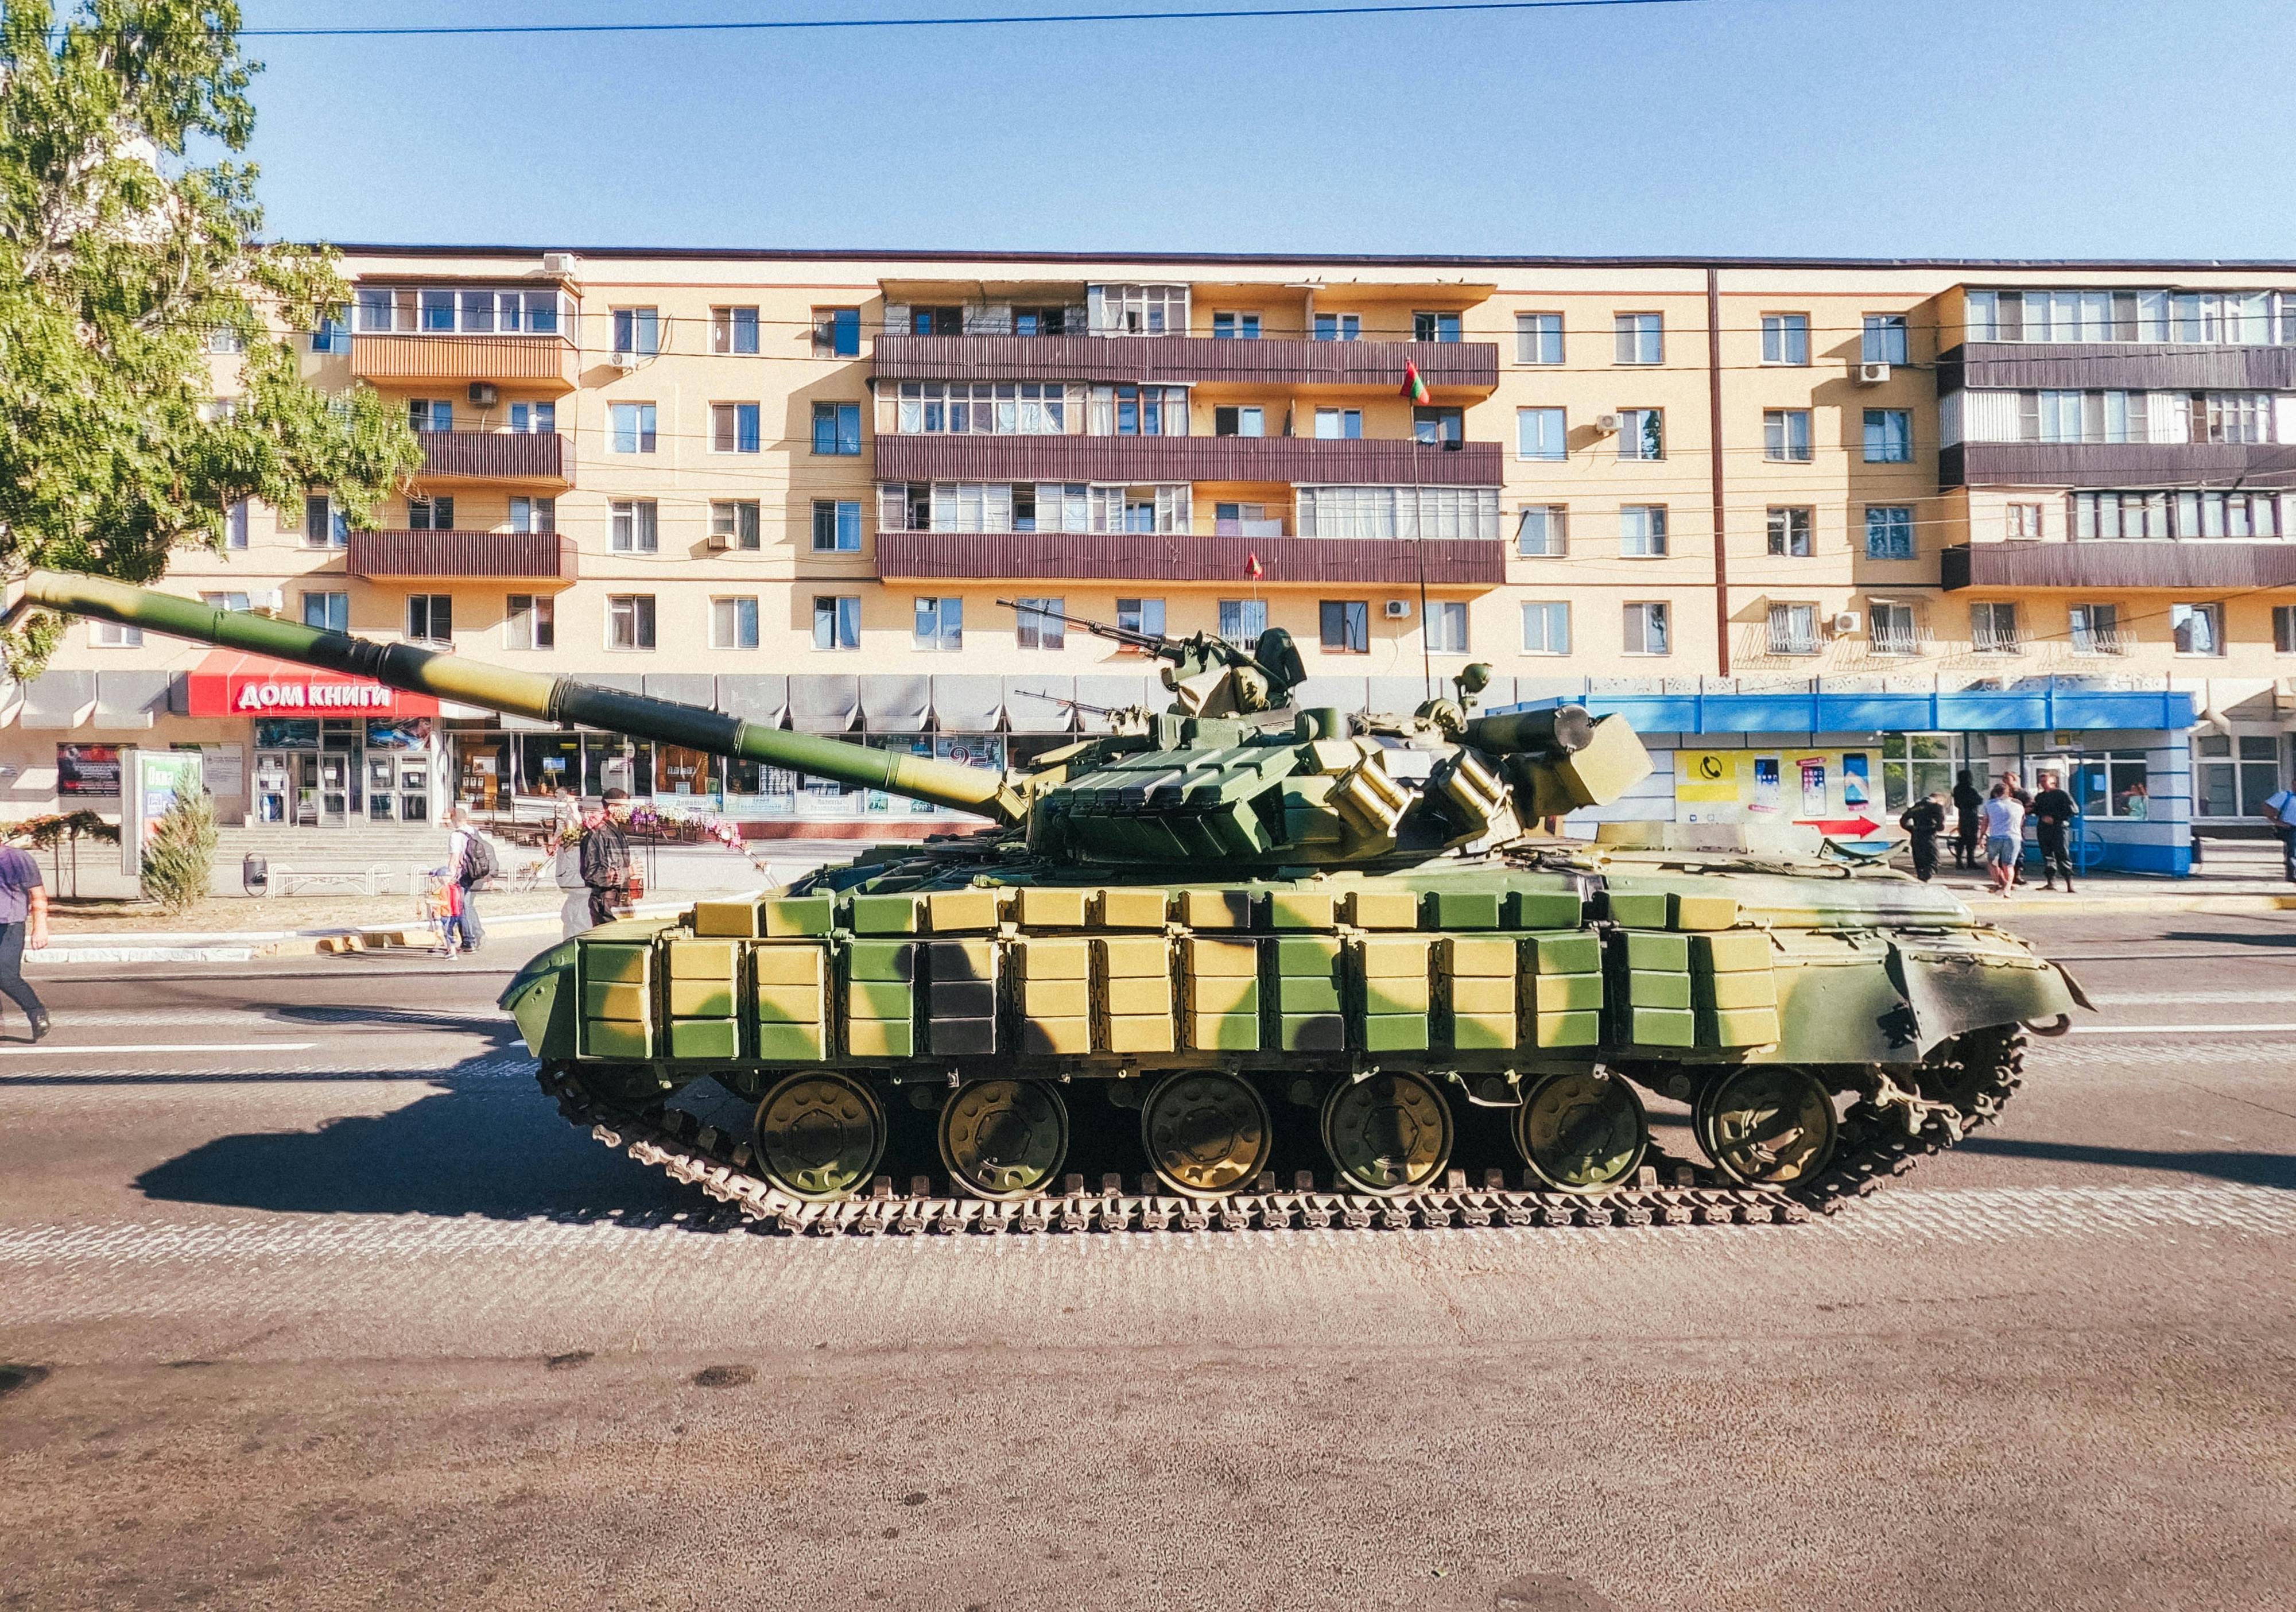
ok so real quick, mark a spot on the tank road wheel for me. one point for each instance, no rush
(1003, 1138)
(1388, 1134)
(819, 1135)
(1207, 1133)
(1581, 1131)
(1767, 1125)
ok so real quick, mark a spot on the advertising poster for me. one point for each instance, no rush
(153, 778)
(1832, 789)
(83, 771)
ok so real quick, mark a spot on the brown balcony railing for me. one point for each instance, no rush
(2121, 563)
(477, 556)
(1362, 462)
(550, 362)
(1185, 558)
(2253, 465)
(1182, 361)
(493, 456)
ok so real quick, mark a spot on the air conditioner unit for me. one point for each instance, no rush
(558, 263)
(1847, 621)
(624, 361)
(483, 393)
(1873, 374)
(267, 600)
(1399, 610)
(1608, 425)
(718, 540)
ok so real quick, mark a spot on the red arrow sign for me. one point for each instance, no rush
(1841, 828)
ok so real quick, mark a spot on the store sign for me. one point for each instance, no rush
(229, 684)
(271, 697)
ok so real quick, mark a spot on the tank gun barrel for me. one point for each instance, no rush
(544, 698)
(1563, 730)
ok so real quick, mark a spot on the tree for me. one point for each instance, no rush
(122, 261)
(179, 856)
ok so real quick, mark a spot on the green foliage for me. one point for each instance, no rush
(52, 828)
(179, 856)
(119, 257)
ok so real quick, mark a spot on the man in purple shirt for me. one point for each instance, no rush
(23, 922)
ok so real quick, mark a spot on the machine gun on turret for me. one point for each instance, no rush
(1209, 677)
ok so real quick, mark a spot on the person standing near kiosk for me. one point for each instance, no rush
(2054, 816)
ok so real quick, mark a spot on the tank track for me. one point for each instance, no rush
(1974, 1074)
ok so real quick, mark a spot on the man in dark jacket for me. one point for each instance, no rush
(2053, 814)
(1966, 802)
(606, 858)
(1922, 822)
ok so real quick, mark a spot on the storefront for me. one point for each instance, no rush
(330, 752)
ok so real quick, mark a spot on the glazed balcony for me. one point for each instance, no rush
(2121, 563)
(1139, 461)
(461, 556)
(550, 362)
(537, 457)
(2251, 464)
(1367, 366)
(1185, 558)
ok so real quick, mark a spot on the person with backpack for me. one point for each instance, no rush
(470, 859)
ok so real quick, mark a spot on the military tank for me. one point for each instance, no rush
(1278, 967)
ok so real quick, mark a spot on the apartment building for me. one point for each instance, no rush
(2039, 506)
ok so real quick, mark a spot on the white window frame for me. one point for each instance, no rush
(2182, 614)
(1553, 525)
(1638, 338)
(1551, 612)
(642, 614)
(731, 626)
(1036, 624)
(837, 617)
(1783, 336)
(1447, 627)
(932, 611)
(1650, 543)
(1536, 334)
(532, 618)
(633, 526)
(1639, 618)
(1786, 436)
(1542, 435)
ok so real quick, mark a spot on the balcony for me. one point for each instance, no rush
(1184, 360)
(1138, 460)
(2115, 365)
(494, 455)
(1183, 557)
(2127, 563)
(2253, 465)
(462, 556)
(549, 362)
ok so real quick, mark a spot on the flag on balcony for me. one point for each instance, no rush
(1413, 388)
(1252, 569)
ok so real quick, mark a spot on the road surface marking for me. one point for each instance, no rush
(163, 1046)
(2175, 1029)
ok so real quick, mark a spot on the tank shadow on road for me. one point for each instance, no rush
(2229, 937)
(2244, 1169)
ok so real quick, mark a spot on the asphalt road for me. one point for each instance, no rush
(335, 1311)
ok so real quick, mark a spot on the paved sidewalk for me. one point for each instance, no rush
(2247, 873)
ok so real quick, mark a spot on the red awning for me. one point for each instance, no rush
(227, 683)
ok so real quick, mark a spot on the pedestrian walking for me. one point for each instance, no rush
(2055, 817)
(470, 860)
(2017, 793)
(1922, 822)
(1967, 803)
(2004, 837)
(23, 923)
(2280, 811)
(606, 857)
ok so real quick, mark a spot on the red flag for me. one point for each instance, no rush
(1251, 567)
(1413, 388)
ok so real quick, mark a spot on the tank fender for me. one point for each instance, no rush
(541, 998)
(1975, 981)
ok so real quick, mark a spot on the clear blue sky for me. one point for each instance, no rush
(1976, 127)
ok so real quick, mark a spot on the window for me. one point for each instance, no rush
(2238, 417)
(1641, 433)
(332, 333)
(1446, 627)
(1642, 530)
(1641, 338)
(1538, 337)
(1434, 327)
(1141, 615)
(533, 515)
(430, 617)
(935, 321)
(114, 635)
(224, 601)
(1137, 310)
(1242, 520)
(2025, 521)
(1339, 327)
(1786, 435)
(939, 624)
(1540, 433)
(1793, 629)
(629, 621)
(1993, 630)
(1785, 338)
(632, 427)
(1889, 531)
(2283, 628)
(1546, 627)
(635, 527)
(1398, 511)
(836, 333)
(1346, 626)
(2223, 782)
(224, 339)
(530, 621)
(435, 310)
(1646, 627)
(2197, 630)
(2059, 415)
(1005, 407)
(836, 621)
(1884, 340)
(1541, 531)
(1235, 327)
(438, 309)
(1037, 624)
(327, 611)
(637, 330)
(429, 414)
(733, 623)
(1436, 427)
(836, 526)
(324, 525)
(1242, 620)
(431, 514)
(734, 523)
(2184, 515)
(533, 418)
(1890, 629)
(1888, 436)
(1338, 423)
(1054, 321)
(1241, 420)
(235, 525)
(1790, 533)
(2095, 630)
(837, 429)
(734, 330)
(733, 428)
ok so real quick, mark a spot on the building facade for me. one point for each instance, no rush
(796, 485)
